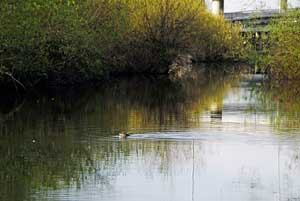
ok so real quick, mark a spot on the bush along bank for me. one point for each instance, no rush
(73, 41)
(282, 53)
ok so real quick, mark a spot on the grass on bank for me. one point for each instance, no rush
(73, 41)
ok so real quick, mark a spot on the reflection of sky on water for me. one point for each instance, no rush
(236, 104)
(222, 171)
(237, 157)
(238, 153)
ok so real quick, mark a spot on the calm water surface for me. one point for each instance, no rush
(213, 137)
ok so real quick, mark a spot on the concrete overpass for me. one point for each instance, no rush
(262, 16)
(253, 21)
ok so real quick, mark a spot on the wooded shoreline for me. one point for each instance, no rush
(74, 42)
(77, 41)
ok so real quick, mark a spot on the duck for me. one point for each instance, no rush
(123, 135)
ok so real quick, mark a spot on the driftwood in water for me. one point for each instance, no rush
(183, 67)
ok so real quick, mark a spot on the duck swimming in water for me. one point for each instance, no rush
(123, 135)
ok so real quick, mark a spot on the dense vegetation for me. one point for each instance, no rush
(282, 54)
(77, 40)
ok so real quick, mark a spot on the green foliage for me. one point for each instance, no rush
(56, 39)
(162, 29)
(72, 41)
(283, 54)
(256, 48)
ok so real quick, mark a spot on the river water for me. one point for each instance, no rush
(214, 137)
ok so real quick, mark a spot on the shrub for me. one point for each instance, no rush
(283, 54)
(64, 40)
(76, 40)
(162, 29)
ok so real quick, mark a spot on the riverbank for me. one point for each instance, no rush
(10, 89)
(69, 42)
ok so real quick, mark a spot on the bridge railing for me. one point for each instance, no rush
(252, 14)
(255, 20)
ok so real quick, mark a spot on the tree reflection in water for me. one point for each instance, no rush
(65, 139)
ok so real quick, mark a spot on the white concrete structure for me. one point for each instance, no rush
(216, 7)
(232, 6)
